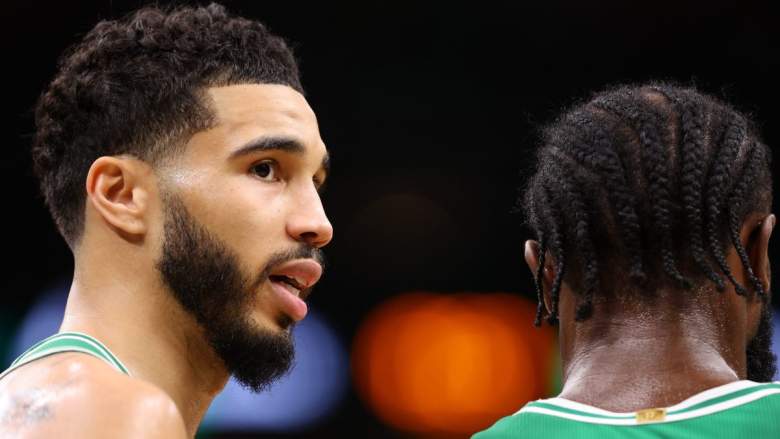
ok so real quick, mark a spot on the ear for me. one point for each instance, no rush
(115, 189)
(757, 247)
(548, 273)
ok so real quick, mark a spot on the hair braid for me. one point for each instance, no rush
(607, 162)
(534, 205)
(560, 271)
(538, 280)
(653, 155)
(717, 183)
(583, 243)
(556, 247)
(751, 168)
(692, 156)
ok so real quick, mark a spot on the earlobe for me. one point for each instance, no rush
(115, 191)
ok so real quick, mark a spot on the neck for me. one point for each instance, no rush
(132, 313)
(626, 361)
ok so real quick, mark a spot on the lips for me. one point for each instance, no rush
(292, 282)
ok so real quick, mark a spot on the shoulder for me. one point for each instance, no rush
(76, 395)
(119, 404)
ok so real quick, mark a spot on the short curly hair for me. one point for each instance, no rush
(135, 86)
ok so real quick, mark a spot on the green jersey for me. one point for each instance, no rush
(67, 342)
(738, 409)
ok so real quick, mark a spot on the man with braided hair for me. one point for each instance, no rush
(182, 165)
(651, 209)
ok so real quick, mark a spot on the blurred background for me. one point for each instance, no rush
(422, 326)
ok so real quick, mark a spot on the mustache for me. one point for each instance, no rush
(302, 251)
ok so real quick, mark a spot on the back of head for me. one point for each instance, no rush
(135, 86)
(643, 188)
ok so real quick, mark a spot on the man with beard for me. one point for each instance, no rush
(182, 165)
(650, 205)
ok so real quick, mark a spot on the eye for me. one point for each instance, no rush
(265, 170)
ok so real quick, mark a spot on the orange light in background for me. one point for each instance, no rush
(434, 363)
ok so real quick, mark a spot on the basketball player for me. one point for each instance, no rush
(651, 210)
(182, 165)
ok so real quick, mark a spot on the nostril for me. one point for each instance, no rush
(309, 237)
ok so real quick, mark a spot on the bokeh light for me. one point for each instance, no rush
(432, 363)
(42, 320)
(776, 338)
(307, 395)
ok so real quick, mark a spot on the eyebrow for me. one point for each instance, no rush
(276, 143)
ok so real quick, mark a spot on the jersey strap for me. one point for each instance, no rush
(710, 401)
(68, 342)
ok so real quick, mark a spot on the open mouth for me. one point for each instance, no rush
(297, 277)
(292, 284)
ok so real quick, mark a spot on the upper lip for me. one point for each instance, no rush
(303, 272)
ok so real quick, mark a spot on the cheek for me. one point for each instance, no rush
(250, 221)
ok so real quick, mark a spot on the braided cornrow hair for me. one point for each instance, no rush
(652, 181)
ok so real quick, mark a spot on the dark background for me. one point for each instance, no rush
(429, 111)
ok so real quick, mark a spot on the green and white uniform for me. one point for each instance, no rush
(739, 409)
(67, 342)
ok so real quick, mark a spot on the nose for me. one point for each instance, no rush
(308, 222)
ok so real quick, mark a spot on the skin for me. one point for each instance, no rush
(258, 202)
(636, 354)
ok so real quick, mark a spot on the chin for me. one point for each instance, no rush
(266, 322)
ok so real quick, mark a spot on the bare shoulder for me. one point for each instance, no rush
(75, 395)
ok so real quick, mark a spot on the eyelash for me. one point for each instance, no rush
(318, 183)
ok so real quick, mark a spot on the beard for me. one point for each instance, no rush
(761, 362)
(204, 275)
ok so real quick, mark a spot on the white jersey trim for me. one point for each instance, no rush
(105, 354)
(721, 406)
(700, 397)
(111, 358)
(47, 352)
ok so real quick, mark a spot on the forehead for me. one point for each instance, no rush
(249, 111)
